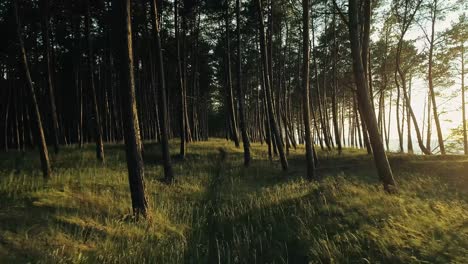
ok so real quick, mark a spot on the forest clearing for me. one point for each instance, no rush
(221, 210)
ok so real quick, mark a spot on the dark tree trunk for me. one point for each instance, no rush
(40, 138)
(180, 82)
(240, 94)
(380, 158)
(46, 38)
(133, 144)
(168, 174)
(271, 115)
(435, 113)
(230, 97)
(306, 92)
(96, 120)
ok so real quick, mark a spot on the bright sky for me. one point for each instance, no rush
(449, 106)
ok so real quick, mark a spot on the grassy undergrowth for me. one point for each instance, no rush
(222, 212)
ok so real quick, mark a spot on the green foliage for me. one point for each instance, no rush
(259, 214)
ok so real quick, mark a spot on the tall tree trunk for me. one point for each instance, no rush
(133, 144)
(465, 136)
(271, 116)
(380, 158)
(168, 173)
(440, 138)
(408, 119)
(306, 92)
(230, 97)
(46, 38)
(94, 104)
(180, 82)
(40, 138)
(240, 94)
(334, 90)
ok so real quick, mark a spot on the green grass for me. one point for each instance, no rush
(232, 214)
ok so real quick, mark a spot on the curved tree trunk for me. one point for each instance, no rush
(380, 158)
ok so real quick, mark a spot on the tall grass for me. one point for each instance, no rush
(230, 214)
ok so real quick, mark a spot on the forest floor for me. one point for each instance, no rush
(218, 211)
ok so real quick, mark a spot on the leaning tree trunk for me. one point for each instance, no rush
(133, 144)
(380, 158)
(46, 38)
(271, 116)
(240, 94)
(94, 105)
(40, 138)
(440, 138)
(305, 91)
(168, 173)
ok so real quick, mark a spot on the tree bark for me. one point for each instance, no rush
(46, 38)
(306, 92)
(380, 158)
(180, 82)
(40, 138)
(240, 94)
(94, 104)
(271, 116)
(440, 138)
(168, 173)
(133, 144)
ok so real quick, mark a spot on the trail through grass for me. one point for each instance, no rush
(220, 211)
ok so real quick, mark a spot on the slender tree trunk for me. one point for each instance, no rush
(94, 104)
(53, 109)
(305, 90)
(180, 82)
(168, 173)
(380, 158)
(440, 137)
(334, 91)
(229, 93)
(240, 94)
(133, 145)
(40, 138)
(465, 136)
(271, 116)
(408, 120)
